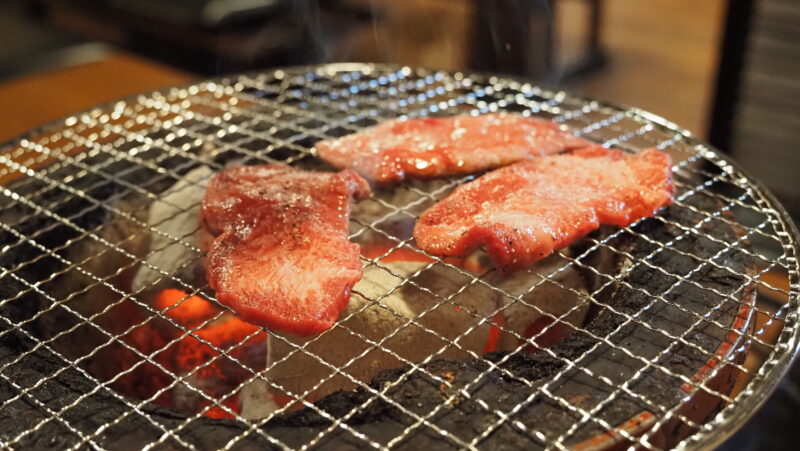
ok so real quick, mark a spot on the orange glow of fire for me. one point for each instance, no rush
(219, 375)
(493, 340)
(215, 374)
(554, 334)
(387, 254)
(405, 254)
(193, 310)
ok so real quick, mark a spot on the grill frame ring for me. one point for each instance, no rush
(723, 425)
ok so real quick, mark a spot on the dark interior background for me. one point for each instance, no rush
(728, 71)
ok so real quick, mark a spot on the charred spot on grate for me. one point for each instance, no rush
(111, 334)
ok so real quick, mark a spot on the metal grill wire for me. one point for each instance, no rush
(277, 116)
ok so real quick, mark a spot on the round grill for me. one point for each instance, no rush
(687, 320)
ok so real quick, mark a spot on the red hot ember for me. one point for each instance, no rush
(205, 369)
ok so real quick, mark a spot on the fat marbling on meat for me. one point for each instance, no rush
(437, 147)
(523, 212)
(281, 257)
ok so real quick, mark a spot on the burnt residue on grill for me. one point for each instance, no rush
(520, 375)
(422, 394)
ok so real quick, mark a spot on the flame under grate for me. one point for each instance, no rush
(75, 232)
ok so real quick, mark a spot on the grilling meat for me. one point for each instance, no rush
(437, 147)
(415, 319)
(521, 213)
(281, 257)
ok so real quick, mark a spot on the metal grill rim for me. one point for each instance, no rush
(164, 110)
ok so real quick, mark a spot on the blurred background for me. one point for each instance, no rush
(661, 56)
(727, 70)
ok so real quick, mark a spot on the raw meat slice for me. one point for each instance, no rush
(281, 257)
(523, 212)
(438, 147)
(237, 194)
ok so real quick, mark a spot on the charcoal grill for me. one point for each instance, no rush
(688, 326)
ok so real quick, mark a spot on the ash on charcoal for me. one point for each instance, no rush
(416, 309)
(174, 216)
(419, 393)
(505, 387)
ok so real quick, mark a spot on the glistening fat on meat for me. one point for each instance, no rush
(439, 147)
(281, 257)
(388, 309)
(523, 212)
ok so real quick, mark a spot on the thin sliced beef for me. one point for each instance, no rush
(523, 212)
(438, 147)
(281, 257)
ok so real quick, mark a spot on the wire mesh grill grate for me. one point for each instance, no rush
(667, 344)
